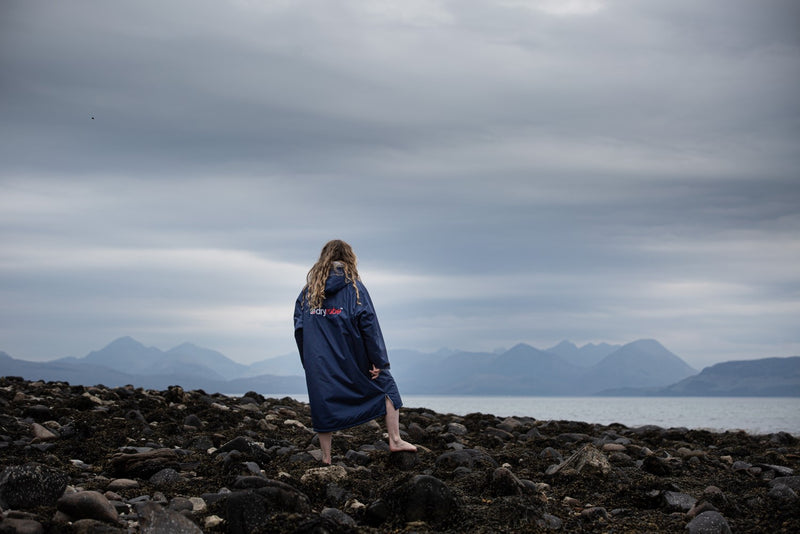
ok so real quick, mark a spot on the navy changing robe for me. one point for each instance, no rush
(339, 342)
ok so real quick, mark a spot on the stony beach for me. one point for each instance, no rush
(114, 460)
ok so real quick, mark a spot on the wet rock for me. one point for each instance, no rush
(550, 453)
(357, 457)
(457, 429)
(12, 525)
(93, 526)
(193, 421)
(165, 477)
(587, 460)
(783, 495)
(377, 513)
(656, 466)
(249, 510)
(120, 484)
(87, 505)
(424, 498)
(417, 433)
(465, 458)
(337, 516)
(549, 522)
(594, 513)
(499, 433)
(31, 485)
(699, 508)
(779, 470)
(143, 464)
(505, 483)
(403, 460)
(155, 519)
(675, 501)
(793, 482)
(709, 523)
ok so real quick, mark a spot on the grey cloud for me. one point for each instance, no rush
(634, 145)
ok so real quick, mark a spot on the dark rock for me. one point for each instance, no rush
(505, 483)
(165, 477)
(656, 466)
(135, 415)
(783, 438)
(573, 437)
(549, 453)
(403, 460)
(193, 421)
(549, 522)
(465, 458)
(779, 470)
(533, 433)
(143, 464)
(336, 494)
(12, 525)
(709, 523)
(376, 513)
(31, 485)
(594, 513)
(87, 505)
(675, 501)
(155, 519)
(783, 495)
(417, 433)
(356, 457)
(793, 482)
(337, 516)
(250, 509)
(457, 429)
(740, 466)
(424, 498)
(699, 508)
(250, 482)
(93, 526)
(498, 433)
(39, 412)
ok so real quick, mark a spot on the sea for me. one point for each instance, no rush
(754, 415)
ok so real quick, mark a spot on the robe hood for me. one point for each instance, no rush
(336, 280)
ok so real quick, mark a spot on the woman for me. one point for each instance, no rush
(342, 351)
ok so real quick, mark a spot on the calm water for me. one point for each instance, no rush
(755, 415)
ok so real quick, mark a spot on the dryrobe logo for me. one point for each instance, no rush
(325, 311)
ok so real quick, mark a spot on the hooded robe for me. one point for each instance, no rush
(339, 342)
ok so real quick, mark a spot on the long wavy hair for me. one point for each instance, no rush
(333, 251)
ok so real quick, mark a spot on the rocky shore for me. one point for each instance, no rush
(96, 459)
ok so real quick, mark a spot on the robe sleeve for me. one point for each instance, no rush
(370, 330)
(298, 327)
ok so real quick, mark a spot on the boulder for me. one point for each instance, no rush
(30, 485)
(423, 498)
(87, 505)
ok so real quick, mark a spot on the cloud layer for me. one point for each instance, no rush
(506, 171)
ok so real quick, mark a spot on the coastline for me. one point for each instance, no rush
(221, 463)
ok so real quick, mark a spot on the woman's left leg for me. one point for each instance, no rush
(396, 443)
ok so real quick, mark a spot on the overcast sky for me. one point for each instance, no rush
(507, 171)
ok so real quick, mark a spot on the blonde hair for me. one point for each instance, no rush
(333, 251)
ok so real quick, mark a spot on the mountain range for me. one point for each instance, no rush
(643, 367)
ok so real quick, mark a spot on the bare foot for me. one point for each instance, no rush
(401, 446)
